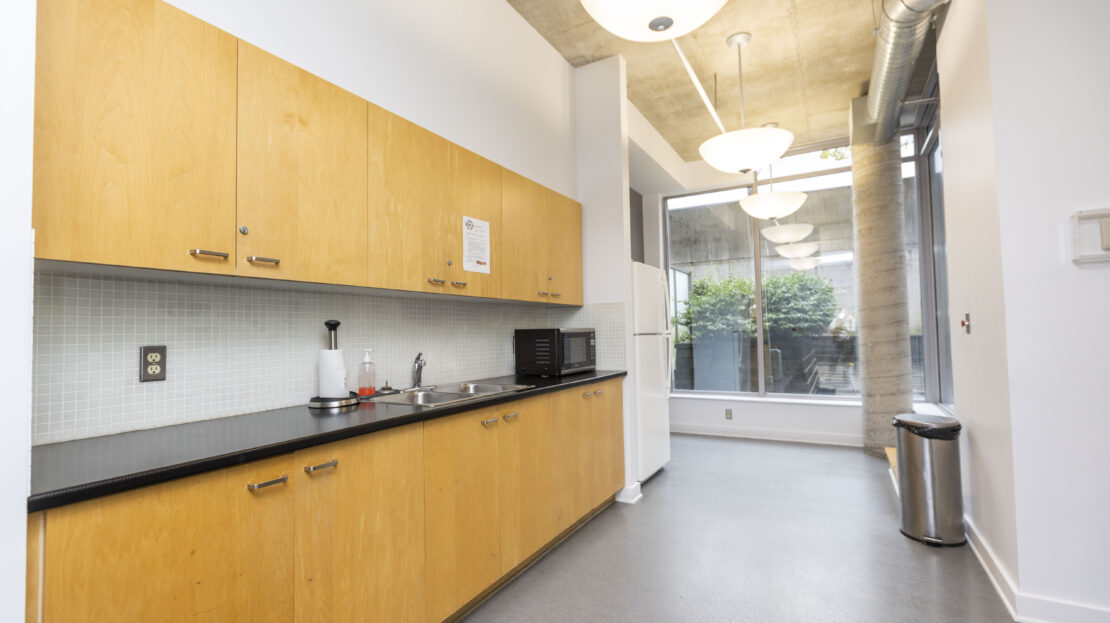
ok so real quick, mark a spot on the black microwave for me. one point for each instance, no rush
(554, 352)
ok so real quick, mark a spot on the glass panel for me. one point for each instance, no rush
(940, 272)
(809, 314)
(712, 272)
(912, 237)
(810, 162)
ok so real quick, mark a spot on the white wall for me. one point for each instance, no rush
(1058, 323)
(979, 365)
(473, 72)
(1030, 383)
(17, 74)
(838, 423)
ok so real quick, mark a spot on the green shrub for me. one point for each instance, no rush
(717, 307)
(798, 304)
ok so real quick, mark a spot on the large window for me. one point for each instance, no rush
(748, 319)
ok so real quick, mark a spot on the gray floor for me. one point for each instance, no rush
(736, 530)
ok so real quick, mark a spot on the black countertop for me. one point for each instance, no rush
(72, 471)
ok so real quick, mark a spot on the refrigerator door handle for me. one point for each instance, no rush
(666, 304)
(667, 368)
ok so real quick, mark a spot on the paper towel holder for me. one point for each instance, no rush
(318, 402)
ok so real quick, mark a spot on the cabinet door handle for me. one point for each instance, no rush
(436, 281)
(587, 394)
(556, 294)
(268, 260)
(219, 254)
(308, 469)
(255, 486)
(542, 293)
(492, 420)
(510, 416)
(599, 392)
(461, 284)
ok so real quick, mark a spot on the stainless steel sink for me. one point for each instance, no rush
(480, 388)
(441, 395)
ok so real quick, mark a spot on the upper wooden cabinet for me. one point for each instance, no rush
(543, 241)
(196, 549)
(360, 529)
(302, 174)
(134, 136)
(421, 188)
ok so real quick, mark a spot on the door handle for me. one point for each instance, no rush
(269, 260)
(436, 281)
(308, 469)
(219, 254)
(510, 416)
(490, 421)
(252, 487)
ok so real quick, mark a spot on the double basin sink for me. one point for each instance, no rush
(440, 395)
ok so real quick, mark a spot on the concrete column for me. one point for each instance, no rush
(884, 334)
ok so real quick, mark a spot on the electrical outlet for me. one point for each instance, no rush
(152, 363)
(728, 414)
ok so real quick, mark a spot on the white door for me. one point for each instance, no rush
(653, 386)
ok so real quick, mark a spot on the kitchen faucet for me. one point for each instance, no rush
(417, 368)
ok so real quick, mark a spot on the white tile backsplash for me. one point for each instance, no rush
(234, 350)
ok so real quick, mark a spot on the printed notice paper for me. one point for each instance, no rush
(475, 245)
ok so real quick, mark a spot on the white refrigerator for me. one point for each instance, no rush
(651, 335)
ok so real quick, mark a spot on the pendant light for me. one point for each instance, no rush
(796, 250)
(804, 263)
(785, 234)
(651, 20)
(772, 204)
(747, 148)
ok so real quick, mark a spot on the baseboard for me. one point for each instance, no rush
(1001, 580)
(833, 439)
(630, 494)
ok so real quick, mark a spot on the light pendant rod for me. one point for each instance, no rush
(697, 85)
(740, 71)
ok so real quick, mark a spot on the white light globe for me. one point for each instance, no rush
(804, 263)
(651, 20)
(772, 205)
(743, 150)
(797, 250)
(784, 234)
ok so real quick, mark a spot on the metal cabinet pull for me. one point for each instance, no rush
(268, 260)
(461, 284)
(599, 392)
(489, 421)
(556, 294)
(436, 281)
(308, 469)
(219, 254)
(509, 416)
(587, 394)
(269, 483)
(542, 293)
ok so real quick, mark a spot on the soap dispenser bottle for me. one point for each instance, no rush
(366, 377)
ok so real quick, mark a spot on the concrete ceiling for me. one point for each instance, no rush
(807, 60)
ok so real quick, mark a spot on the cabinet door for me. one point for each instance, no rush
(463, 508)
(566, 249)
(608, 415)
(134, 136)
(408, 174)
(203, 548)
(302, 167)
(360, 529)
(528, 515)
(570, 441)
(474, 192)
(526, 239)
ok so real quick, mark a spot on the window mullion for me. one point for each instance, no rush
(758, 281)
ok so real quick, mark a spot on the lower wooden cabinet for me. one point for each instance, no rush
(462, 508)
(360, 529)
(203, 548)
(407, 524)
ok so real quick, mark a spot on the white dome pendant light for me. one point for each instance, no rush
(785, 234)
(804, 263)
(771, 204)
(651, 20)
(747, 148)
(797, 250)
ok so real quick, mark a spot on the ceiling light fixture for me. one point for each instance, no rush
(804, 263)
(747, 148)
(773, 205)
(796, 250)
(785, 234)
(651, 20)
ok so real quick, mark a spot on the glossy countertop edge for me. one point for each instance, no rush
(98, 488)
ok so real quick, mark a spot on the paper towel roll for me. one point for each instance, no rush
(333, 374)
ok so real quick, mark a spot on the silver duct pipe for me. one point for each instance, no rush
(902, 31)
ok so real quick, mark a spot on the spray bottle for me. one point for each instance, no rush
(366, 376)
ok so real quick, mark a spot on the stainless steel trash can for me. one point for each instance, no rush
(929, 478)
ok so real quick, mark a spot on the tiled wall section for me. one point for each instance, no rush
(235, 350)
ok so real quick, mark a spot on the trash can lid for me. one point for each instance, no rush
(929, 426)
